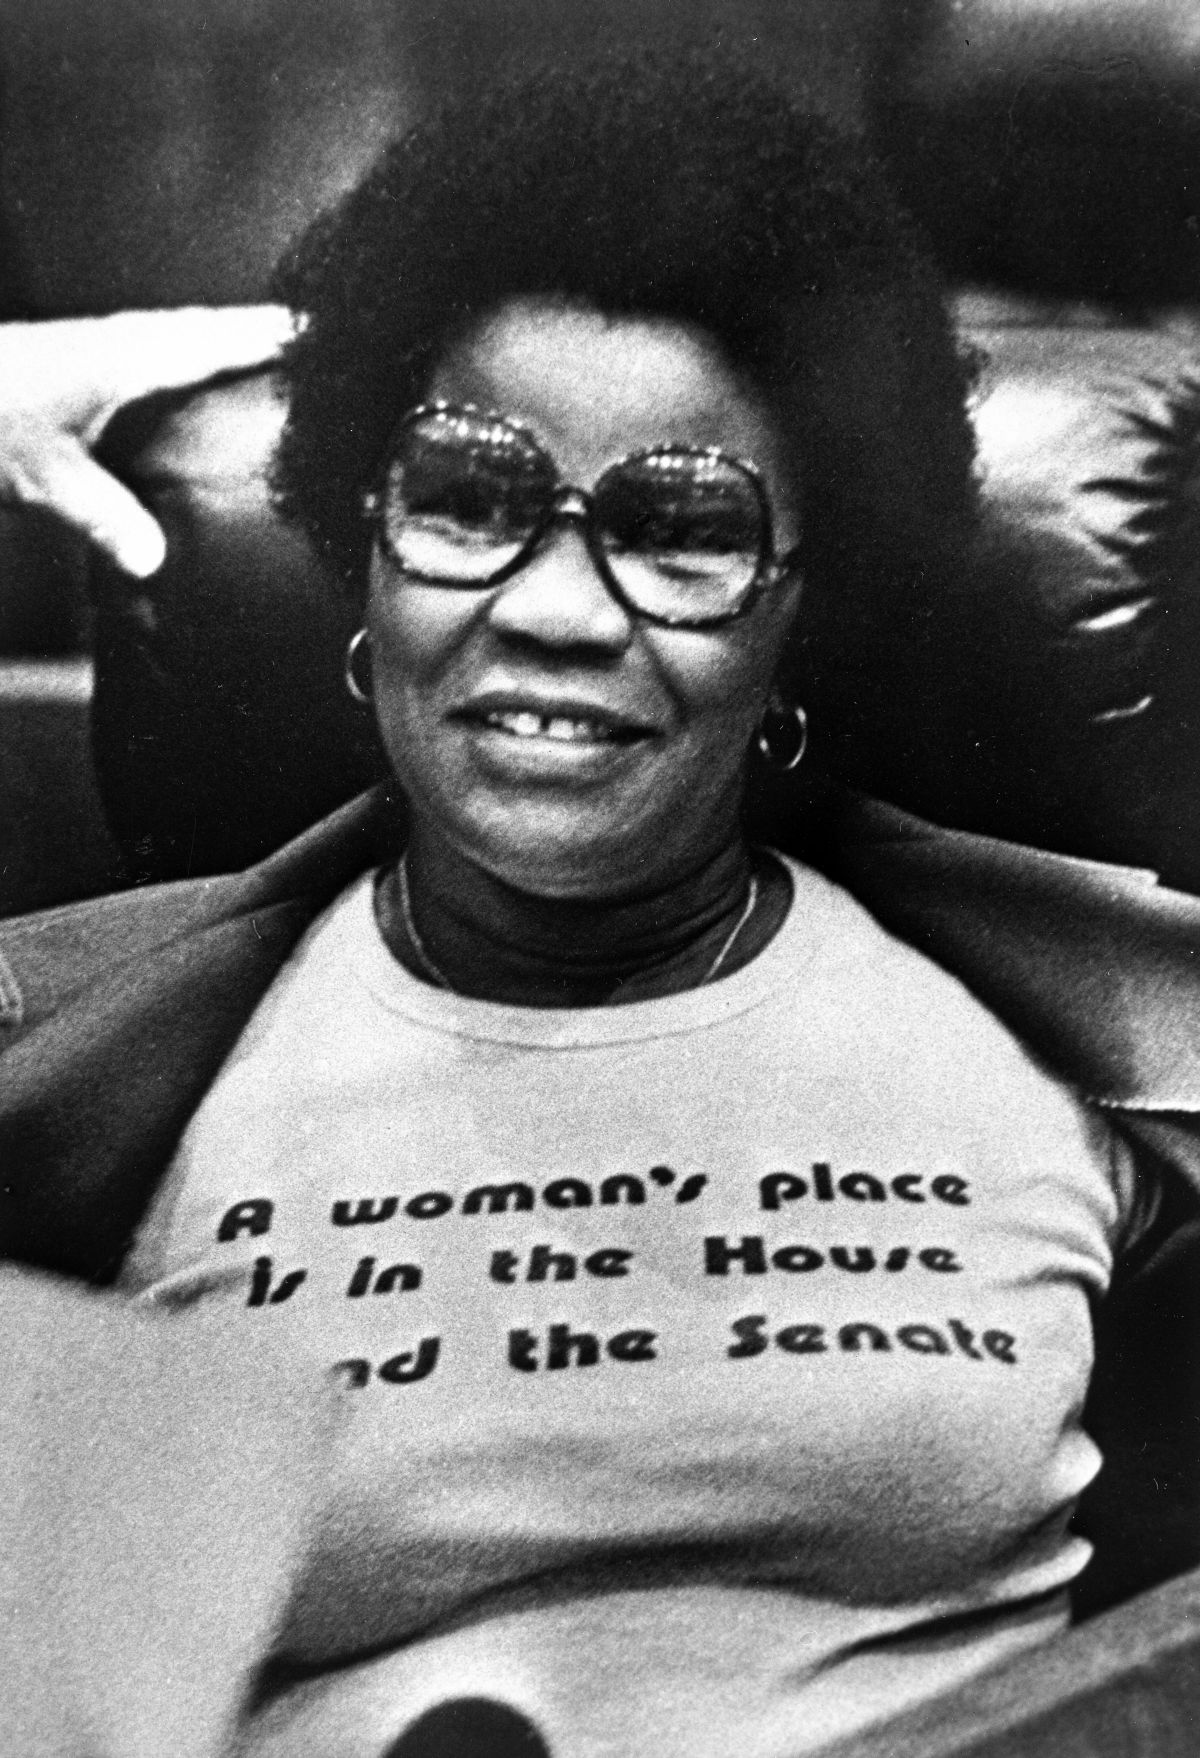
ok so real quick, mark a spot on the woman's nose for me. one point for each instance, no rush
(559, 598)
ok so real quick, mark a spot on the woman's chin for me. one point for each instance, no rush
(575, 818)
(571, 869)
(558, 849)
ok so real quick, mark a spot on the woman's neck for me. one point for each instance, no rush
(456, 925)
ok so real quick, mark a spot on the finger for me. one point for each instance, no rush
(143, 351)
(74, 373)
(75, 489)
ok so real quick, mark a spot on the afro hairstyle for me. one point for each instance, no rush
(692, 187)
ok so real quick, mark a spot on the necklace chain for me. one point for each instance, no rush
(433, 970)
(410, 928)
(728, 943)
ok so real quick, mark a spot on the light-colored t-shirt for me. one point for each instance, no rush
(713, 1364)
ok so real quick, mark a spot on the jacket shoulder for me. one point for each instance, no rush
(47, 957)
(1096, 967)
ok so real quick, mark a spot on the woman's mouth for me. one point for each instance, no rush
(552, 741)
(561, 729)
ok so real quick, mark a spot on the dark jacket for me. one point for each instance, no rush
(115, 1016)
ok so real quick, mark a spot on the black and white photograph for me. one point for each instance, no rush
(600, 879)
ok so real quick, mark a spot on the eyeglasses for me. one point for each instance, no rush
(681, 535)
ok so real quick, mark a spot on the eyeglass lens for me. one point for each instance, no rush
(683, 533)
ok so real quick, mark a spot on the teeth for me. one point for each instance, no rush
(561, 728)
(527, 725)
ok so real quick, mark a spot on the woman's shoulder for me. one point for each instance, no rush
(1095, 966)
(54, 954)
(48, 956)
(847, 983)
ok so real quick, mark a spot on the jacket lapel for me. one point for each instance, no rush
(130, 1006)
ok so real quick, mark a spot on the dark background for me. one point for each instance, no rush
(159, 152)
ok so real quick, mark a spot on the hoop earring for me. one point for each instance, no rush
(783, 737)
(356, 645)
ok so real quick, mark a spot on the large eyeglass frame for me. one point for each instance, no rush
(578, 504)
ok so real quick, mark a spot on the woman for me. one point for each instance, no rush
(709, 1273)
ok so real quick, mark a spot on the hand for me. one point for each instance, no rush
(62, 381)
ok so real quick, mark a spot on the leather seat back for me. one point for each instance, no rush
(1060, 706)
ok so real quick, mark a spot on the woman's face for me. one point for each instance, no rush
(541, 729)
